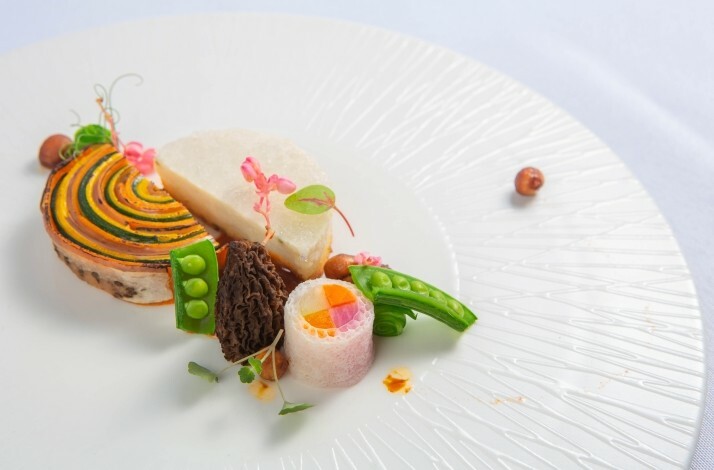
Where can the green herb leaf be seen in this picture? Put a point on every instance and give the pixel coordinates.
(293, 407)
(91, 134)
(246, 374)
(200, 371)
(256, 365)
(313, 199)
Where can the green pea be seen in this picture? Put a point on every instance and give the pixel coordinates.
(380, 279)
(438, 296)
(419, 287)
(400, 282)
(192, 264)
(455, 306)
(196, 287)
(196, 309)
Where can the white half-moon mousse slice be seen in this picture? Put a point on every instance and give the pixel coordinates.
(202, 171)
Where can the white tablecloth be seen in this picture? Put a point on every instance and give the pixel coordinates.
(638, 74)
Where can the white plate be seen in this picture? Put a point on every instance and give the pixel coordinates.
(588, 349)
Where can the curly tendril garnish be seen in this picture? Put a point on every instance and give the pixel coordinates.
(105, 131)
(109, 116)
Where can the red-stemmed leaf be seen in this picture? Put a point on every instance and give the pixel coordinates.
(315, 199)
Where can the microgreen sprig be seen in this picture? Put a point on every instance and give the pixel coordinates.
(91, 134)
(252, 366)
(110, 122)
(105, 132)
(247, 373)
(315, 199)
(134, 152)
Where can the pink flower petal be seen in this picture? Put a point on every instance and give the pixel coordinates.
(366, 259)
(133, 150)
(142, 159)
(149, 154)
(145, 168)
(248, 170)
(272, 183)
(285, 186)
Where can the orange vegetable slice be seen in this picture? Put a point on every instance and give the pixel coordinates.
(338, 295)
(321, 319)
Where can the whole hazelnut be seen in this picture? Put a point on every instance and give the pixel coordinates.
(50, 154)
(336, 267)
(281, 365)
(528, 181)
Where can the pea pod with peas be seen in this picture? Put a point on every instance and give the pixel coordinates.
(385, 286)
(194, 269)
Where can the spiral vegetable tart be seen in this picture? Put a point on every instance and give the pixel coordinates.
(113, 228)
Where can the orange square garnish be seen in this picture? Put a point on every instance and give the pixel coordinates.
(321, 319)
(338, 295)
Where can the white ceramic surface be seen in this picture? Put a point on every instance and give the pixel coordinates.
(588, 348)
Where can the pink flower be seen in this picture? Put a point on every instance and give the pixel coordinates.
(254, 174)
(250, 168)
(142, 159)
(368, 260)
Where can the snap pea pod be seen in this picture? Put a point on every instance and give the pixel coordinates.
(386, 286)
(194, 269)
(390, 320)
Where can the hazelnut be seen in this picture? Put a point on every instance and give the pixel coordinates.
(50, 154)
(336, 267)
(528, 181)
(281, 366)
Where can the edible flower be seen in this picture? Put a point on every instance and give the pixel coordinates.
(142, 159)
(366, 259)
(250, 168)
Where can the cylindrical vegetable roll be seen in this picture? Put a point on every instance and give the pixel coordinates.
(328, 333)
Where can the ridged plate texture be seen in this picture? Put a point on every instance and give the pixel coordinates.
(588, 348)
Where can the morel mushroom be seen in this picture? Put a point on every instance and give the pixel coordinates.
(250, 300)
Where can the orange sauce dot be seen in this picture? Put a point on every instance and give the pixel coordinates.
(398, 380)
(261, 390)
